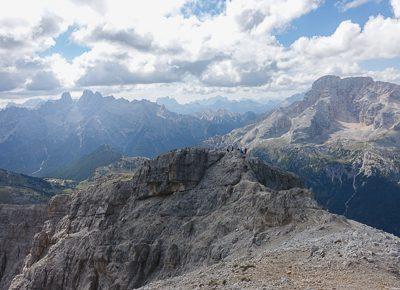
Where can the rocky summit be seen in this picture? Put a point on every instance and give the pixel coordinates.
(198, 218)
(343, 140)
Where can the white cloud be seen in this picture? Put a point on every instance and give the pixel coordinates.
(43, 81)
(396, 7)
(350, 4)
(159, 44)
(377, 39)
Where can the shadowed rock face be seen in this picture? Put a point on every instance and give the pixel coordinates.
(181, 210)
(173, 172)
(18, 225)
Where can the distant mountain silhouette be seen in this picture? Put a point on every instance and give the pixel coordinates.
(85, 166)
(43, 140)
(18, 188)
(218, 103)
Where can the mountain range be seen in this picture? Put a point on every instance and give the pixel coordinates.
(222, 103)
(29, 104)
(343, 140)
(55, 134)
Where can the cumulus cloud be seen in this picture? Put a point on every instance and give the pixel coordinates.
(148, 42)
(228, 73)
(43, 81)
(190, 45)
(377, 39)
(396, 7)
(124, 37)
(114, 73)
(8, 81)
(350, 4)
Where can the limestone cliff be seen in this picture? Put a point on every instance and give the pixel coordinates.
(18, 225)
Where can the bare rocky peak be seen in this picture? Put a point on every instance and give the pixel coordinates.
(356, 108)
(356, 100)
(195, 208)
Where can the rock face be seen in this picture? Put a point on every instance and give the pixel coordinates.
(18, 225)
(343, 140)
(187, 209)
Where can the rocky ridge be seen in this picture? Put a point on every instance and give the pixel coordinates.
(124, 166)
(208, 218)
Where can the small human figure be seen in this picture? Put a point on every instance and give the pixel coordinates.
(245, 150)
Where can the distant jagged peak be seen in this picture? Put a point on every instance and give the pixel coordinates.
(66, 97)
(167, 100)
(89, 96)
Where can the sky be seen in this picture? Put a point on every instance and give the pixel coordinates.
(192, 49)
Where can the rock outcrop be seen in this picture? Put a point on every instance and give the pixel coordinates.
(126, 165)
(189, 209)
(18, 225)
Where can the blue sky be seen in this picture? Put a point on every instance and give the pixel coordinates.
(324, 20)
(192, 49)
(65, 46)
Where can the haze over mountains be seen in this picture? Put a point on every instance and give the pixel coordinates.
(343, 140)
(220, 103)
(44, 139)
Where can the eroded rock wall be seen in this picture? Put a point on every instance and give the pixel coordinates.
(18, 225)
